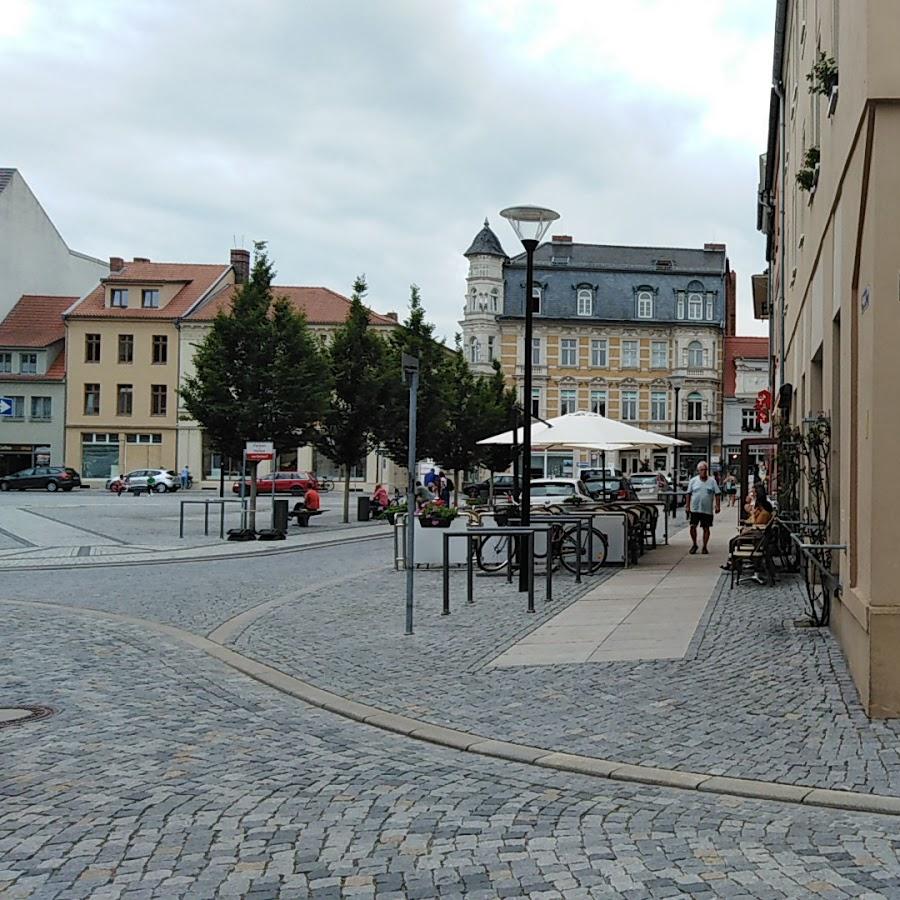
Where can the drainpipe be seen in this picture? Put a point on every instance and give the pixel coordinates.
(778, 87)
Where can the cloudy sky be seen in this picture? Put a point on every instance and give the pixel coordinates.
(360, 136)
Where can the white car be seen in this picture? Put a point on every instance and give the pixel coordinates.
(547, 491)
(166, 480)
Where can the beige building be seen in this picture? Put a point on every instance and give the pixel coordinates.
(829, 206)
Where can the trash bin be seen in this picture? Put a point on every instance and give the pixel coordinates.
(363, 509)
(280, 515)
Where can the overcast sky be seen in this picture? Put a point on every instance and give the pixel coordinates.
(360, 136)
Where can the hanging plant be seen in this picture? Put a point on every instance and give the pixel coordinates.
(808, 174)
(824, 75)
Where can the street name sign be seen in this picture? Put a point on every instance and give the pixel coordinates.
(256, 451)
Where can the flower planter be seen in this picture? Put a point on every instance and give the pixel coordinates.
(435, 523)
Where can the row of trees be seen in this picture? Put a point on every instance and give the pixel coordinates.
(261, 374)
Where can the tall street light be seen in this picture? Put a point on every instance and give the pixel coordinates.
(676, 382)
(530, 223)
(709, 424)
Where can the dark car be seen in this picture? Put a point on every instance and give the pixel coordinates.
(503, 484)
(610, 487)
(47, 478)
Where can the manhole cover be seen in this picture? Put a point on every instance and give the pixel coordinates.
(18, 715)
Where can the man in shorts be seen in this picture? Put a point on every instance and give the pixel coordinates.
(703, 496)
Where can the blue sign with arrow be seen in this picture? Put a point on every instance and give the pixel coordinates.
(6, 406)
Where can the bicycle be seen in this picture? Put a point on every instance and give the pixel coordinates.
(492, 553)
(325, 485)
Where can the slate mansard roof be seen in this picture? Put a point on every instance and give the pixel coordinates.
(610, 257)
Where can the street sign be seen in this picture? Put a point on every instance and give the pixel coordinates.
(256, 451)
(6, 406)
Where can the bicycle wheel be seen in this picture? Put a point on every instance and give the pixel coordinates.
(325, 485)
(568, 550)
(491, 554)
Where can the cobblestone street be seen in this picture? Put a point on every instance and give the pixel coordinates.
(165, 773)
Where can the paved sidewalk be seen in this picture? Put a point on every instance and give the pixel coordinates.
(646, 612)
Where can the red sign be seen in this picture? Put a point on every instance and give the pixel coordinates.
(763, 406)
(258, 457)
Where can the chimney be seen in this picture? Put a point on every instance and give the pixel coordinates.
(142, 259)
(714, 248)
(240, 262)
(392, 315)
(561, 239)
(116, 264)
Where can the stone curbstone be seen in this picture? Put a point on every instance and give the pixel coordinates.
(757, 790)
(659, 777)
(582, 765)
(445, 737)
(505, 750)
(871, 803)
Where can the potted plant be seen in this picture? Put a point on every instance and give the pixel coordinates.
(808, 174)
(436, 515)
(823, 78)
(390, 512)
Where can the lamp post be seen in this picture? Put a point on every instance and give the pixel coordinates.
(530, 224)
(709, 425)
(676, 382)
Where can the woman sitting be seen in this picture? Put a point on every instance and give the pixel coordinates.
(380, 499)
(759, 514)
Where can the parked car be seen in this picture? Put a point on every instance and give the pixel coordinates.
(611, 488)
(547, 491)
(294, 483)
(503, 484)
(648, 485)
(48, 478)
(166, 480)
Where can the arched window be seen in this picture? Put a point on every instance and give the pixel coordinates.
(694, 407)
(585, 301)
(474, 350)
(645, 305)
(495, 300)
(695, 300)
(695, 355)
(536, 296)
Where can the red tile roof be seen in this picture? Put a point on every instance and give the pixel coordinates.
(56, 372)
(741, 348)
(196, 278)
(35, 321)
(322, 306)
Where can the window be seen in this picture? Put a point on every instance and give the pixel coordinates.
(679, 305)
(659, 355)
(18, 408)
(161, 349)
(126, 348)
(155, 438)
(695, 306)
(568, 352)
(41, 408)
(150, 298)
(92, 399)
(119, 297)
(5, 362)
(645, 305)
(490, 349)
(629, 406)
(748, 419)
(473, 349)
(695, 355)
(598, 402)
(710, 306)
(629, 354)
(658, 406)
(535, 351)
(158, 400)
(536, 295)
(598, 353)
(585, 301)
(28, 363)
(92, 348)
(123, 400)
(568, 401)
(694, 407)
(535, 402)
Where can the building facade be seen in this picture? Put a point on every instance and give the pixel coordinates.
(32, 379)
(746, 373)
(612, 325)
(34, 259)
(828, 208)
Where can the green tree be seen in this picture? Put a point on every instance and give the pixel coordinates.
(498, 415)
(258, 373)
(414, 336)
(355, 363)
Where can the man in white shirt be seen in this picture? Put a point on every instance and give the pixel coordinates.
(703, 495)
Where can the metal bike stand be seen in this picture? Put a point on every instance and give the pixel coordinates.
(572, 519)
(220, 502)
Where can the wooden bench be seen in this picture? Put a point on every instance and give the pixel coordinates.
(303, 515)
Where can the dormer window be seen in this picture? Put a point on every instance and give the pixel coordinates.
(679, 305)
(150, 298)
(28, 363)
(5, 362)
(695, 306)
(536, 295)
(645, 304)
(585, 301)
(119, 298)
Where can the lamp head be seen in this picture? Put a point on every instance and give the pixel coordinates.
(676, 382)
(530, 223)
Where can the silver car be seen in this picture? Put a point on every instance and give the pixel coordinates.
(165, 480)
(648, 485)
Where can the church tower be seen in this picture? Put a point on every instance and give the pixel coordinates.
(484, 300)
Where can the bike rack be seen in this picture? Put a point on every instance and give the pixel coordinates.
(206, 503)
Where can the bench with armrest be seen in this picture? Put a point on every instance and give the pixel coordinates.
(754, 548)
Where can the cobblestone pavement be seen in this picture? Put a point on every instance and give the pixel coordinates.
(165, 775)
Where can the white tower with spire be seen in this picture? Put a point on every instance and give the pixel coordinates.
(484, 300)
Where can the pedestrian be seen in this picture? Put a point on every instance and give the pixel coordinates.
(423, 495)
(703, 495)
(430, 478)
(731, 489)
(445, 490)
(151, 484)
(380, 499)
(185, 477)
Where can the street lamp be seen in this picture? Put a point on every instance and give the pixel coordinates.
(676, 382)
(530, 224)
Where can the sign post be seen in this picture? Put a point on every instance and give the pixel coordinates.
(411, 377)
(254, 452)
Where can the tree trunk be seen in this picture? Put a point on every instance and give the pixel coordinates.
(251, 515)
(456, 487)
(346, 519)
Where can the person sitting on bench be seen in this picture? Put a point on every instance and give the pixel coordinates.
(311, 500)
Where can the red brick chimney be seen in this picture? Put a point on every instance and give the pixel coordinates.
(392, 315)
(561, 239)
(240, 262)
(116, 264)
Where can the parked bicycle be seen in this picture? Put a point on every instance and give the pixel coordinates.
(325, 485)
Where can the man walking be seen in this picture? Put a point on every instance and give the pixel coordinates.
(703, 494)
